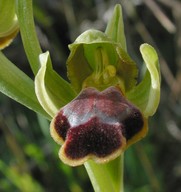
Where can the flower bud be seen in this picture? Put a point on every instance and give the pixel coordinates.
(8, 23)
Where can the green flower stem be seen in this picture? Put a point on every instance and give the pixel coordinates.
(31, 44)
(116, 170)
(106, 177)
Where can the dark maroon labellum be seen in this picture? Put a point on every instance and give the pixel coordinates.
(96, 124)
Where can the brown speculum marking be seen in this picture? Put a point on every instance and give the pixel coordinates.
(97, 123)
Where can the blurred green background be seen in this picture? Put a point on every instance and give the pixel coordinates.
(28, 156)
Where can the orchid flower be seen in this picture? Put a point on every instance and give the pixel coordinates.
(103, 110)
(106, 108)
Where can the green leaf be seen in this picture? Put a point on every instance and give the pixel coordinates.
(28, 33)
(115, 27)
(146, 95)
(52, 91)
(18, 86)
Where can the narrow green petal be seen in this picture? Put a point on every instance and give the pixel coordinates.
(146, 95)
(77, 67)
(115, 27)
(18, 86)
(127, 69)
(52, 91)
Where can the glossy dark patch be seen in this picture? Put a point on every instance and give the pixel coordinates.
(133, 124)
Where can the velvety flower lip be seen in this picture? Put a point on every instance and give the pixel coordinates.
(98, 125)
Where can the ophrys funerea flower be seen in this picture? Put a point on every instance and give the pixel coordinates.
(104, 109)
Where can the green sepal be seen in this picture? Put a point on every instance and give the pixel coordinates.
(95, 60)
(52, 91)
(146, 95)
(115, 27)
(18, 86)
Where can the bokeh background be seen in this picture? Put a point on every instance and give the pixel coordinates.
(28, 156)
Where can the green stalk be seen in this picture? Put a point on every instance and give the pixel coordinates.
(116, 170)
(106, 177)
(24, 11)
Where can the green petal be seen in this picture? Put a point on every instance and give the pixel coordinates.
(115, 27)
(127, 69)
(52, 91)
(146, 95)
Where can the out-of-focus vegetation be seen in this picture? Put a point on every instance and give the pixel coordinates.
(29, 160)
